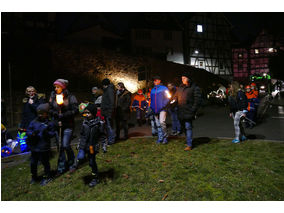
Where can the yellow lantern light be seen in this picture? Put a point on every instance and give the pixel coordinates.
(59, 99)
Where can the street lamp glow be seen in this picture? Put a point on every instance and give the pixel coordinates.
(196, 52)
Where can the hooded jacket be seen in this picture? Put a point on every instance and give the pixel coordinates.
(29, 110)
(188, 100)
(91, 132)
(39, 133)
(159, 99)
(123, 101)
(68, 110)
(108, 100)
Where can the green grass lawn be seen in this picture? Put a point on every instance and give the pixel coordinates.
(138, 169)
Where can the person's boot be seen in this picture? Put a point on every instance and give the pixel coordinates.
(94, 181)
(45, 180)
(74, 167)
(187, 148)
(33, 180)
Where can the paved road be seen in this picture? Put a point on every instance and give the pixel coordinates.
(214, 121)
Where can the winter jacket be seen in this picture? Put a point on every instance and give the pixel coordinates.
(238, 103)
(29, 110)
(253, 101)
(68, 110)
(139, 101)
(108, 101)
(39, 133)
(188, 99)
(159, 99)
(92, 131)
(123, 101)
(97, 98)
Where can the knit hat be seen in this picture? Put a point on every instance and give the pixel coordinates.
(106, 82)
(42, 108)
(61, 82)
(82, 107)
(140, 92)
(92, 108)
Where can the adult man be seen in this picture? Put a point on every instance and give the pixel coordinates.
(107, 107)
(188, 97)
(123, 101)
(30, 103)
(159, 101)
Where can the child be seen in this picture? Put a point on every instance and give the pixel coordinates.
(92, 131)
(140, 104)
(39, 133)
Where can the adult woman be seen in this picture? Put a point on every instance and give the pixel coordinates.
(63, 108)
(238, 108)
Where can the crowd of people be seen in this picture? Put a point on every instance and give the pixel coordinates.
(44, 119)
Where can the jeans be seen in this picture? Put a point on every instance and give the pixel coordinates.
(153, 125)
(43, 157)
(176, 127)
(110, 132)
(92, 160)
(239, 129)
(160, 121)
(66, 147)
(188, 132)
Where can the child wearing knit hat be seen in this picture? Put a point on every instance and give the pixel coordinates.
(39, 133)
(91, 134)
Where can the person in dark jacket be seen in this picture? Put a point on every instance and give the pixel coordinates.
(173, 109)
(30, 104)
(188, 97)
(122, 112)
(238, 108)
(92, 132)
(39, 132)
(159, 101)
(107, 107)
(63, 108)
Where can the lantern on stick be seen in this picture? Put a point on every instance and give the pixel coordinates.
(59, 101)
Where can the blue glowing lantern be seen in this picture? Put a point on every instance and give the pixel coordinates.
(6, 151)
(22, 139)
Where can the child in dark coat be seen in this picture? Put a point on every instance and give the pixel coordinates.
(91, 134)
(39, 133)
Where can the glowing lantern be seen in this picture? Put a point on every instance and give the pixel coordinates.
(168, 94)
(59, 99)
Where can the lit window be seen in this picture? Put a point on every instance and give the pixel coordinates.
(270, 50)
(256, 51)
(199, 28)
(240, 55)
(196, 52)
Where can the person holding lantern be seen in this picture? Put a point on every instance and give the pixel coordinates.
(63, 108)
(188, 98)
(159, 100)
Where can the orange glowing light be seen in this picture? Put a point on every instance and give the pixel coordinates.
(59, 99)
(168, 94)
